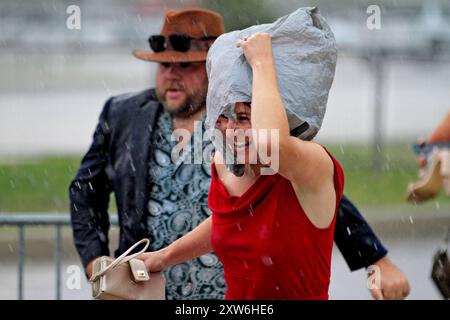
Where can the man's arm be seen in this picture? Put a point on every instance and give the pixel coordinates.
(442, 131)
(89, 197)
(361, 247)
(440, 134)
(354, 237)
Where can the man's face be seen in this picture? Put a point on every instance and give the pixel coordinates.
(181, 87)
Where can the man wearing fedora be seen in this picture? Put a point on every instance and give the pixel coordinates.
(162, 200)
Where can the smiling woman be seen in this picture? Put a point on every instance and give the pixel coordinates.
(240, 144)
(258, 220)
(237, 137)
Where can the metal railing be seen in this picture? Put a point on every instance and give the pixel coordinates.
(21, 220)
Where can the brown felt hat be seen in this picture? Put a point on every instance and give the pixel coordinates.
(196, 23)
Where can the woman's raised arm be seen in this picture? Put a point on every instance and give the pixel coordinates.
(299, 160)
(304, 163)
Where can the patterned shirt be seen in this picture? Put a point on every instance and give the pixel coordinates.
(178, 202)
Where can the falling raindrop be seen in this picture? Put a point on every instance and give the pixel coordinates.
(106, 87)
(102, 237)
(437, 205)
(267, 260)
(349, 231)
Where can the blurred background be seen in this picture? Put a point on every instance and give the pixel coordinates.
(392, 87)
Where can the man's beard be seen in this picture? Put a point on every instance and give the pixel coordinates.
(192, 104)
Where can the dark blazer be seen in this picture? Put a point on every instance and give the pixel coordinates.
(117, 161)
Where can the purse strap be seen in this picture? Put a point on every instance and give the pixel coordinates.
(123, 258)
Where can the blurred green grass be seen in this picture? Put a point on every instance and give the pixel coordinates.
(41, 184)
(36, 184)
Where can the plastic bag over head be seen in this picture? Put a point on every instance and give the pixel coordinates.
(305, 57)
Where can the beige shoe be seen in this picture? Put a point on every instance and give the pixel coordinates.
(445, 170)
(433, 178)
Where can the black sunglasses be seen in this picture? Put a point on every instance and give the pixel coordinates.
(177, 41)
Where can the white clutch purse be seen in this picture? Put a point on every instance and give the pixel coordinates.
(126, 278)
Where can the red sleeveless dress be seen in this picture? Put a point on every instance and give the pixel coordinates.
(267, 245)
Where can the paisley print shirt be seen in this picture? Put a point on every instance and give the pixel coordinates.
(178, 202)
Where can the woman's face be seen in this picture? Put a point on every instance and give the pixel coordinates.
(236, 133)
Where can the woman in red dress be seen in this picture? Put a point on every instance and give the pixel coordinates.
(272, 233)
